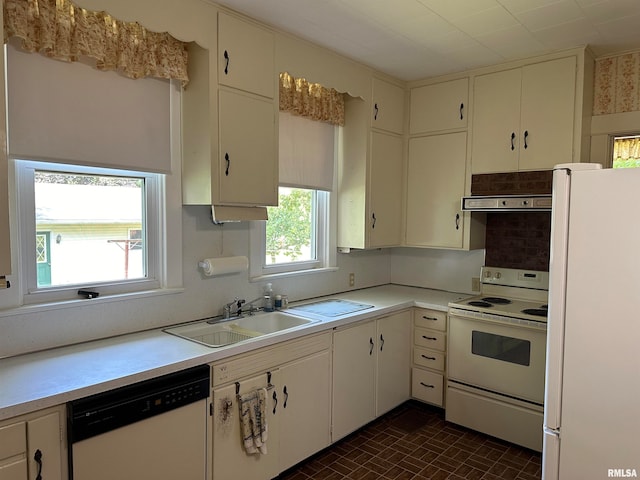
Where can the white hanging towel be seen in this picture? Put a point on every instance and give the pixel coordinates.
(253, 421)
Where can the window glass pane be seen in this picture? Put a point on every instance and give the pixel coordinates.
(626, 152)
(291, 228)
(499, 347)
(89, 228)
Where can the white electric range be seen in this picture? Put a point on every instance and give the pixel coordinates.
(496, 356)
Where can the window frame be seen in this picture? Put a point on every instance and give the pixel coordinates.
(325, 240)
(152, 218)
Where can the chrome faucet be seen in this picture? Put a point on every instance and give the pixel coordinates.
(239, 302)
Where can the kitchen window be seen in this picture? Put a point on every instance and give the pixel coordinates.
(626, 151)
(297, 237)
(96, 181)
(87, 228)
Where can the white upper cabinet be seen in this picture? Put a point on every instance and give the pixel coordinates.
(370, 178)
(246, 56)
(439, 107)
(524, 117)
(229, 134)
(385, 199)
(435, 185)
(388, 106)
(248, 173)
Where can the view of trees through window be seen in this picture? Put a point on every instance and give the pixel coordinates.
(89, 228)
(290, 228)
(626, 152)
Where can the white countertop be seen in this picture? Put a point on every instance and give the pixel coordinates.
(43, 379)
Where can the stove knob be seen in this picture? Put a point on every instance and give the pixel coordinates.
(498, 275)
(487, 274)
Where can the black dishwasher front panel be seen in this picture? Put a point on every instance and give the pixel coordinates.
(103, 412)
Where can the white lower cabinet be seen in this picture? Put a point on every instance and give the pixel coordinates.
(297, 377)
(371, 365)
(230, 460)
(32, 445)
(429, 356)
(305, 417)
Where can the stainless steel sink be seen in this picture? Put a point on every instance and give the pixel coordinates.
(228, 332)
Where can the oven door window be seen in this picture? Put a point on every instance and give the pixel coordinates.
(499, 347)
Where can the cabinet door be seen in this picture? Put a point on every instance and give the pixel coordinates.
(496, 122)
(13, 446)
(305, 417)
(394, 361)
(547, 116)
(43, 435)
(435, 185)
(385, 205)
(230, 461)
(388, 106)
(246, 58)
(354, 364)
(248, 168)
(442, 106)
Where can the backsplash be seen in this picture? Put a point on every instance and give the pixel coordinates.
(518, 240)
(512, 183)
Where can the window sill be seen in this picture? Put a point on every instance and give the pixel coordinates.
(271, 276)
(81, 302)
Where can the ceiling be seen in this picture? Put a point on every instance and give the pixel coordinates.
(415, 39)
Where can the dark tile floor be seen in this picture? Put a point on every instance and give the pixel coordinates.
(414, 442)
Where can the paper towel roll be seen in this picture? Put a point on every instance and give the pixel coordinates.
(224, 265)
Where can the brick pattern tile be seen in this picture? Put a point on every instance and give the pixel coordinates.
(436, 451)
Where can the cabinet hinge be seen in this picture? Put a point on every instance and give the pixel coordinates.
(211, 409)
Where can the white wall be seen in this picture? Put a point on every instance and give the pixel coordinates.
(450, 270)
(35, 328)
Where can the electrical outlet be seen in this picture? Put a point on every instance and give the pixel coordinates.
(352, 279)
(475, 284)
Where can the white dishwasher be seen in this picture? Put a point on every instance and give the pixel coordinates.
(156, 429)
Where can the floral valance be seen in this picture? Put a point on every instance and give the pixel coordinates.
(63, 31)
(311, 100)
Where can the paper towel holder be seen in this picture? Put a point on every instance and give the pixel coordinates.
(223, 265)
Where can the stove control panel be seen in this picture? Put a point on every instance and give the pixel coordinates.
(515, 278)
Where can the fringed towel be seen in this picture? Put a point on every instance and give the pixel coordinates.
(253, 421)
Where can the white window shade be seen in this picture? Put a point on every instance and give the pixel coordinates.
(306, 152)
(72, 113)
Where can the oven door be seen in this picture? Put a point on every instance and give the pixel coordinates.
(505, 356)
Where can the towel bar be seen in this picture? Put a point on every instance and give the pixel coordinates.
(268, 387)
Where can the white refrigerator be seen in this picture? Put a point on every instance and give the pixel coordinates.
(592, 388)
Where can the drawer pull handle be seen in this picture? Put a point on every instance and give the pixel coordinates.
(428, 358)
(429, 338)
(428, 386)
(435, 319)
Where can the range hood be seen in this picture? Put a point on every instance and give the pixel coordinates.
(510, 192)
(506, 203)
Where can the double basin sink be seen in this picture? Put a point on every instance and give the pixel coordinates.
(219, 333)
(239, 329)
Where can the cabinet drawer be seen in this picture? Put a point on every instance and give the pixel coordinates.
(428, 358)
(13, 440)
(427, 386)
(433, 319)
(429, 338)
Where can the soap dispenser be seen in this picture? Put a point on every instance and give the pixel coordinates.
(268, 298)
